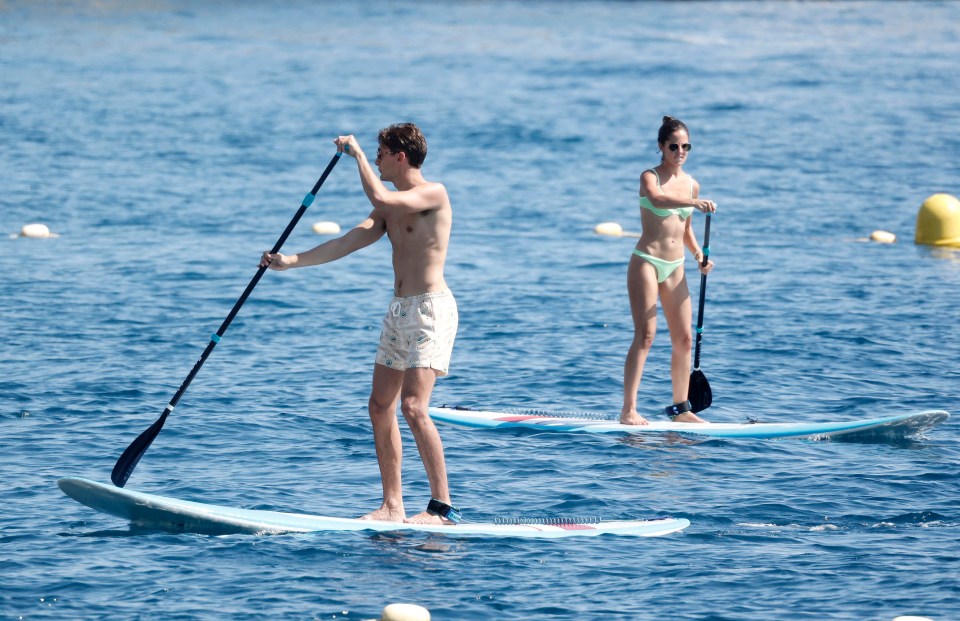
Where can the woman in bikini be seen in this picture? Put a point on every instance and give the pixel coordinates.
(668, 197)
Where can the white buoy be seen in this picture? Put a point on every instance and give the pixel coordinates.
(404, 612)
(909, 618)
(36, 230)
(326, 228)
(883, 237)
(608, 228)
(613, 230)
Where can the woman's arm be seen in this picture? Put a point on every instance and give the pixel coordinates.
(653, 192)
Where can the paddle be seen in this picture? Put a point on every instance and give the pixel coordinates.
(131, 457)
(699, 393)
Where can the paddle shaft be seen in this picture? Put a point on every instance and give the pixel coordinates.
(131, 456)
(703, 292)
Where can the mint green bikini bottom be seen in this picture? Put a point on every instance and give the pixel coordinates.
(664, 268)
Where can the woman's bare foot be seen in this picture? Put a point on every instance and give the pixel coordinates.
(386, 514)
(427, 518)
(632, 418)
(688, 417)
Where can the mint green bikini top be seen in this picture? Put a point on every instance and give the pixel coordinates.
(682, 212)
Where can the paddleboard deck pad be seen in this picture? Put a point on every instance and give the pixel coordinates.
(171, 514)
(903, 425)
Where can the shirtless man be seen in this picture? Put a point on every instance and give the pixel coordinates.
(421, 323)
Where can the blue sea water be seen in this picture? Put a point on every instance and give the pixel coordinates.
(168, 143)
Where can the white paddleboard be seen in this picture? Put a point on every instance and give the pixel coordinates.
(890, 426)
(150, 511)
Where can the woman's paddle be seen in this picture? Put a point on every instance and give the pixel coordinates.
(131, 457)
(699, 393)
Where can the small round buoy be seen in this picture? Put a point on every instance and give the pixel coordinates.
(36, 231)
(405, 612)
(883, 237)
(608, 228)
(938, 221)
(910, 618)
(326, 228)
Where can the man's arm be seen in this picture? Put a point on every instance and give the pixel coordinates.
(421, 198)
(360, 236)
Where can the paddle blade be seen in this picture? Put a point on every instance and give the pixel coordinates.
(699, 393)
(131, 457)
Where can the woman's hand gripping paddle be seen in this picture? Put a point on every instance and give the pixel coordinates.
(131, 457)
(699, 393)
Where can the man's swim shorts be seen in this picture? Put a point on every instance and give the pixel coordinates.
(418, 331)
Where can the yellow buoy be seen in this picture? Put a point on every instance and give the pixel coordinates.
(36, 231)
(326, 228)
(938, 221)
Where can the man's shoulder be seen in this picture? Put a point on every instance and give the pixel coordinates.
(433, 186)
(437, 192)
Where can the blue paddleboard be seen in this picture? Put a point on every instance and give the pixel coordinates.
(901, 425)
(162, 513)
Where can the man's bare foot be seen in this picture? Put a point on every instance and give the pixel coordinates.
(632, 418)
(384, 514)
(427, 518)
(688, 417)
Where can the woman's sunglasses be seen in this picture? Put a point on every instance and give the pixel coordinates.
(685, 146)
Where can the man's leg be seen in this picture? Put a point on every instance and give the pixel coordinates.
(386, 438)
(414, 403)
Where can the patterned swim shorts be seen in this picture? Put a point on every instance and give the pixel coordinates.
(418, 332)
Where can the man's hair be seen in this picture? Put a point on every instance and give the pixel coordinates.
(405, 137)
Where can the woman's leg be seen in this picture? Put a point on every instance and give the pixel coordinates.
(642, 289)
(675, 300)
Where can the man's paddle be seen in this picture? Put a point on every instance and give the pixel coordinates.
(131, 457)
(699, 393)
